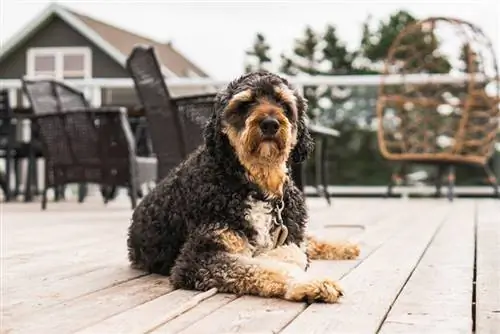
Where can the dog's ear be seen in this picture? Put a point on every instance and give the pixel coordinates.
(305, 143)
(213, 129)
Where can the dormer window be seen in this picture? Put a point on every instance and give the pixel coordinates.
(59, 63)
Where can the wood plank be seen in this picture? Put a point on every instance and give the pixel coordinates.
(50, 237)
(253, 314)
(34, 298)
(371, 288)
(52, 267)
(90, 309)
(488, 268)
(248, 314)
(201, 311)
(438, 296)
(381, 228)
(150, 315)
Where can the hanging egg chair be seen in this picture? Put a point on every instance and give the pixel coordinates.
(443, 107)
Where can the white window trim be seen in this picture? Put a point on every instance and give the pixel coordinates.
(59, 52)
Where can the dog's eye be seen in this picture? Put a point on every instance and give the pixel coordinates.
(287, 109)
(243, 107)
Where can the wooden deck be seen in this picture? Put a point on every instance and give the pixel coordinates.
(427, 266)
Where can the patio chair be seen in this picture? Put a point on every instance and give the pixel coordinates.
(83, 144)
(13, 151)
(175, 124)
(7, 144)
(442, 124)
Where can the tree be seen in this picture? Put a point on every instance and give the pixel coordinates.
(416, 53)
(258, 57)
(305, 59)
(336, 55)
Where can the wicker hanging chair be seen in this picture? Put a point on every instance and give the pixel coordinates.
(436, 121)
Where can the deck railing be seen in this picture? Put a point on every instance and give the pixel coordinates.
(363, 89)
(93, 87)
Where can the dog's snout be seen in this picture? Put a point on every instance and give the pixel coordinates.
(269, 126)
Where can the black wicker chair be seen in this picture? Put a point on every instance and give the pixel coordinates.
(13, 151)
(7, 143)
(82, 144)
(169, 119)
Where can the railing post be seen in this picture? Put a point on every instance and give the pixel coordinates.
(13, 97)
(96, 96)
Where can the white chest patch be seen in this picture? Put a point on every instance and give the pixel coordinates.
(260, 216)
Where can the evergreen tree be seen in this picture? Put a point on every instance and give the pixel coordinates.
(375, 45)
(306, 59)
(258, 57)
(336, 55)
(287, 67)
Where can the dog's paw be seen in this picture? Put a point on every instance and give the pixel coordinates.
(351, 252)
(314, 290)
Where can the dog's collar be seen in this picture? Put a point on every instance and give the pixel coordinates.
(277, 205)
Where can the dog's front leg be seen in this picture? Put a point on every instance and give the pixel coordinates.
(325, 250)
(289, 253)
(223, 261)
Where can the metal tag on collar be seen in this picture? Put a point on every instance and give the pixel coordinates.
(278, 209)
(282, 233)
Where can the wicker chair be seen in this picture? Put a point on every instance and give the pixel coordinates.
(14, 150)
(435, 122)
(170, 120)
(82, 144)
(7, 144)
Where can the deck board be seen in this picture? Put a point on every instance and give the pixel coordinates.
(65, 271)
(488, 268)
(437, 297)
(89, 309)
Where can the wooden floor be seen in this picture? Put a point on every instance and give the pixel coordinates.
(427, 266)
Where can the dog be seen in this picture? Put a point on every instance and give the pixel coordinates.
(230, 217)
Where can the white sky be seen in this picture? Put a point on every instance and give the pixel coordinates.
(214, 34)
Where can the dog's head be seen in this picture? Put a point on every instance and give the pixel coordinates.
(264, 120)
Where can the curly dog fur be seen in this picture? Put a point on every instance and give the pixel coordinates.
(211, 224)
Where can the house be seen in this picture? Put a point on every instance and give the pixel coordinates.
(67, 45)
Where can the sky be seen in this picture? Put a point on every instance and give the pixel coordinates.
(215, 34)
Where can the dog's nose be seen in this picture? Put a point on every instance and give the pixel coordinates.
(269, 126)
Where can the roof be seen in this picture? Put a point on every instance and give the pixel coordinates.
(116, 42)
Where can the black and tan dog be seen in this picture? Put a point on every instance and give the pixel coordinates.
(230, 217)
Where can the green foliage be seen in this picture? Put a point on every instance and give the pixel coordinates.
(335, 53)
(306, 59)
(375, 43)
(258, 57)
(417, 45)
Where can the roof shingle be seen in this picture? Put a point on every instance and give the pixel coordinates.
(125, 41)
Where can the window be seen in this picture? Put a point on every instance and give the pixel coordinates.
(45, 65)
(59, 63)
